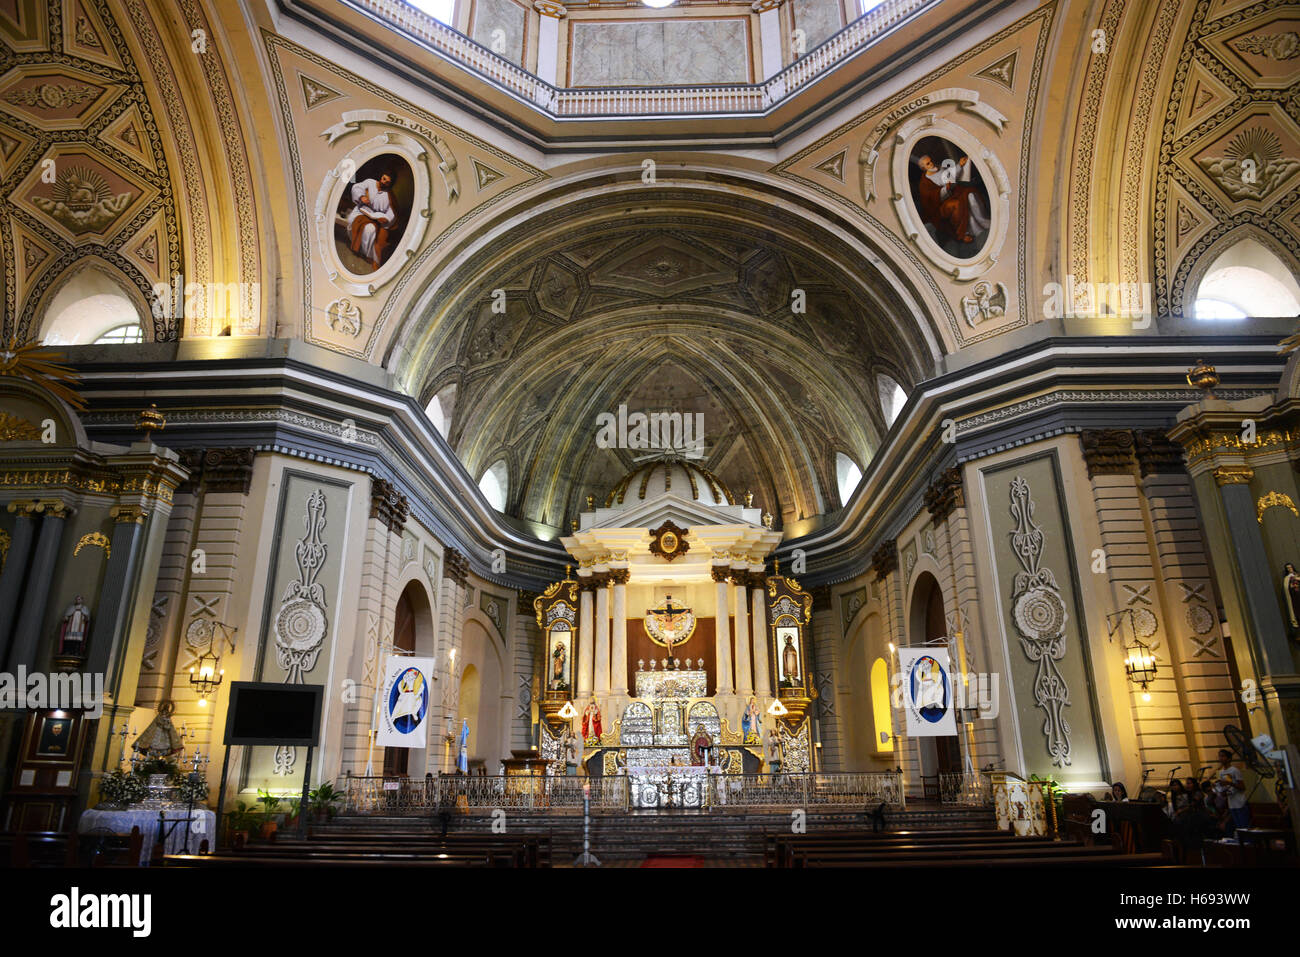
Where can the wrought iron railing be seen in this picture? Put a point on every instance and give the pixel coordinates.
(408, 797)
(967, 788)
(580, 102)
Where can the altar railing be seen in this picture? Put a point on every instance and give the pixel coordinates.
(410, 796)
(968, 788)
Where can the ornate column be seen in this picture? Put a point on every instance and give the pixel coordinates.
(602, 634)
(722, 629)
(586, 637)
(758, 629)
(619, 664)
(16, 561)
(28, 631)
(1269, 631)
(744, 637)
(107, 630)
(529, 657)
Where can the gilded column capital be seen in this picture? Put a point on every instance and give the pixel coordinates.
(27, 507)
(53, 508)
(123, 514)
(549, 8)
(619, 576)
(762, 6)
(1233, 475)
(721, 574)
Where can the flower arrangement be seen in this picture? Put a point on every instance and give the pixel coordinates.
(192, 788)
(120, 787)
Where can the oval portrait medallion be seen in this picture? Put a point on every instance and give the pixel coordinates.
(950, 196)
(373, 212)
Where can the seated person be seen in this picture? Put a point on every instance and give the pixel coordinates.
(1118, 792)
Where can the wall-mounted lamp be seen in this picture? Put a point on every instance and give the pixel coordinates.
(205, 677)
(1140, 666)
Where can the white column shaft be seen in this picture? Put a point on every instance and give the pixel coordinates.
(585, 644)
(602, 640)
(744, 641)
(723, 639)
(758, 625)
(619, 665)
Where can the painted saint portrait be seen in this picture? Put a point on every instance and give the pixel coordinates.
(54, 737)
(373, 213)
(950, 196)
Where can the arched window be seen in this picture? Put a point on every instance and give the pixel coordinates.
(892, 398)
(884, 740)
(434, 411)
(847, 475)
(495, 485)
(90, 306)
(128, 332)
(1247, 280)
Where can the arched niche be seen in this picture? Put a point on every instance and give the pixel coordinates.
(413, 634)
(485, 708)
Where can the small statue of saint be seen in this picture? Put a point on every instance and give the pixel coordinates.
(591, 726)
(75, 628)
(751, 723)
(773, 751)
(790, 660)
(160, 739)
(1291, 593)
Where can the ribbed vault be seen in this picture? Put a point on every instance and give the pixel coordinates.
(673, 301)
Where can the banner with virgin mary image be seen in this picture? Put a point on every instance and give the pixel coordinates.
(927, 691)
(404, 702)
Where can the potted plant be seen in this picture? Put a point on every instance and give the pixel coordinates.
(323, 800)
(291, 818)
(239, 821)
(270, 803)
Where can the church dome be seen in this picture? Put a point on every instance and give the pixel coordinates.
(681, 477)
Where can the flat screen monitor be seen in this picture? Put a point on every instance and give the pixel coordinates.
(263, 712)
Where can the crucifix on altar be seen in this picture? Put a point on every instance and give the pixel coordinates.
(670, 625)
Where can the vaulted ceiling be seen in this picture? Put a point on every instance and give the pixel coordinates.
(671, 303)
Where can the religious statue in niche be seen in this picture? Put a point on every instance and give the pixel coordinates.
(559, 680)
(751, 723)
(788, 642)
(1291, 590)
(950, 196)
(160, 739)
(701, 742)
(75, 629)
(591, 726)
(373, 213)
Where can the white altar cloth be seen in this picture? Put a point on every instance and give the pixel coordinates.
(202, 827)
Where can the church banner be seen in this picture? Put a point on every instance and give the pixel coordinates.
(927, 690)
(404, 702)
